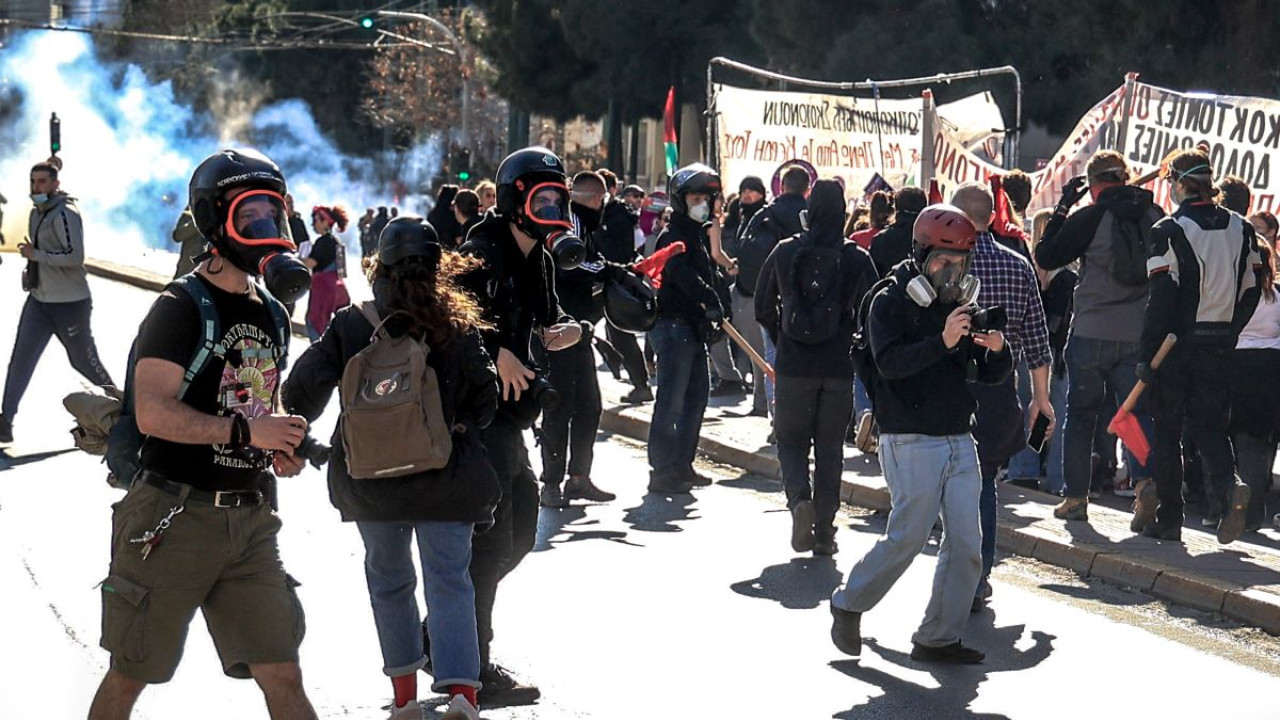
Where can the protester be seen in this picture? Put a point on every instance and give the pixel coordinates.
(879, 215)
(488, 194)
(58, 303)
(327, 261)
(1009, 283)
(297, 227)
(815, 272)
(1043, 470)
(379, 222)
(924, 351)
(365, 225)
(618, 239)
(1017, 187)
(208, 451)
(659, 224)
(514, 287)
(568, 430)
(1266, 226)
(751, 198)
(1205, 268)
(416, 293)
(1110, 299)
(689, 318)
(728, 376)
(190, 243)
(466, 211)
(1235, 194)
(892, 245)
(443, 217)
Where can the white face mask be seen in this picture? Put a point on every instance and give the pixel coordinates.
(700, 212)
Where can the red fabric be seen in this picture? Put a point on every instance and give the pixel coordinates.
(935, 192)
(467, 692)
(863, 237)
(652, 265)
(328, 293)
(669, 117)
(1125, 426)
(406, 688)
(1002, 221)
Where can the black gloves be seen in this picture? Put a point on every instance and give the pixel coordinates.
(1075, 189)
(1146, 374)
(711, 328)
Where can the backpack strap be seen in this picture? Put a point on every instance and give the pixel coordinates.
(283, 325)
(210, 324)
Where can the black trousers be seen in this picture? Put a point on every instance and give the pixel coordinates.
(568, 433)
(813, 412)
(497, 551)
(632, 358)
(40, 323)
(1192, 391)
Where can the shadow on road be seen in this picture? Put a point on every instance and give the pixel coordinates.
(957, 685)
(802, 584)
(659, 513)
(562, 525)
(8, 461)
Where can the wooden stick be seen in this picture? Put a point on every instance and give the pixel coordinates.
(1138, 387)
(750, 351)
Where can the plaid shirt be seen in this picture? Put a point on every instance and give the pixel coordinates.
(1009, 282)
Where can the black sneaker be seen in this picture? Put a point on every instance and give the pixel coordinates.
(581, 488)
(6, 430)
(1160, 532)
(728, 388)
(667, 484)
(802, 526)
(638, 395)
(502, 690)
(953, 654)
(697, 479)
(846, 631)
(1232, 525)
(824, 543)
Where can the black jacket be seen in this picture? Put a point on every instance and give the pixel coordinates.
(783, 215)
(688, 279)
(922, 387)
(466, 490)
(615, 239)
(892, 245)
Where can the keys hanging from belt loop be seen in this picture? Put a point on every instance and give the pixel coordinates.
(151, 538)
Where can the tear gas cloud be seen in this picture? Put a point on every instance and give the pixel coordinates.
(129, 147)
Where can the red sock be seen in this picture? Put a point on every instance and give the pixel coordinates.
(465, 691)
(406, 687)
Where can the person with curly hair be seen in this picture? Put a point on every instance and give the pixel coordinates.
(328, 263)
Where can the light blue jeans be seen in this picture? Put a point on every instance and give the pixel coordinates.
(771, 357)
(927, 475)
(1026, 464)
(445, 552)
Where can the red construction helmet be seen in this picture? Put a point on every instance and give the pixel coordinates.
(944, 227)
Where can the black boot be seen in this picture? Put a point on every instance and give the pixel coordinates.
(846, 631)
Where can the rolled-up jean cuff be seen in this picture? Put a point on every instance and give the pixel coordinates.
(442, 686)
(409, 669)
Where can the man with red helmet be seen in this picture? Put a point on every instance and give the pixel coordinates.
(925, 347)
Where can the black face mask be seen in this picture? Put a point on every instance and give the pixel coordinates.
(589, 218)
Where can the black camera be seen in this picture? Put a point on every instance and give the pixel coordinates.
(313, 451)
(985, 320)
(543, 393)
(568, 249)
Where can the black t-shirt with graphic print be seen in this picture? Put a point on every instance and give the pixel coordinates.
(245, 383)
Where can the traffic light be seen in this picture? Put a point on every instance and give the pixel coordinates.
(366, 22)
(462, 165)
(55, 134)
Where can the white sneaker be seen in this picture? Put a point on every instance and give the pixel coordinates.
(412, 711)
(460, 709)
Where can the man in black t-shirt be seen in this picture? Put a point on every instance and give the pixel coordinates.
(195, 530)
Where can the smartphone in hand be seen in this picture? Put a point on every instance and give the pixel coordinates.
(1039, 429)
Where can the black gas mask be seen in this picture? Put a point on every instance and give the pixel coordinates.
(545, 218)
(256, 239)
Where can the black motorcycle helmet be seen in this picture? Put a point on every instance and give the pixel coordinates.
(522, 170)
(408, 236)
(221, 172)
(630, 303)
(698, 178)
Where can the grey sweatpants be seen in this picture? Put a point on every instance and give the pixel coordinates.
(40, 322)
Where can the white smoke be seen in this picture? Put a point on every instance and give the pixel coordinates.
(129, 148)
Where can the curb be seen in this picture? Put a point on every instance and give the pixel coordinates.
(1246, 605)
(1251, 607)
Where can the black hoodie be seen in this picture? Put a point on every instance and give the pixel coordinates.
(826, 229)
(1104, 308)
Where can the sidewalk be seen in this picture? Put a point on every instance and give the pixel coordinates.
(1240, 581)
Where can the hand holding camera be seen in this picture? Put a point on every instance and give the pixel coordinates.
(1072, 192)
(513, 375)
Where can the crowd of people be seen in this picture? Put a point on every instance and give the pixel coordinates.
(961, 341)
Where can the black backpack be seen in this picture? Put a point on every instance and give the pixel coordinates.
(1130, 248)
(124, 442)
(864, 362)
(812, 293)
(758, 240)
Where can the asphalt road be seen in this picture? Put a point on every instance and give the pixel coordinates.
(646, 607)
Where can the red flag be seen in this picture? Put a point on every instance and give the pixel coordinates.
(1125, 426)
(935, 192)
(652, 266)
(1002, 222)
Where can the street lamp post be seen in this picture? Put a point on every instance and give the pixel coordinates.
(461, 50)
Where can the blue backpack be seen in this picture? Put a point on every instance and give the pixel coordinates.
(124, 443)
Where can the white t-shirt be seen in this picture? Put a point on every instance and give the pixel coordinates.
(1263, 329)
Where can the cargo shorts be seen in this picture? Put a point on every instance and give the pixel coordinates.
(223, 561)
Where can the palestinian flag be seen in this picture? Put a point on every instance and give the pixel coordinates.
(669, 141)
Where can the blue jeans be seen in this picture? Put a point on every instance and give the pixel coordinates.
(681, 400)
(926, 476)
(445, 552)
(771, 357)
(1096, 368)
(1027, 463)
(861, 400)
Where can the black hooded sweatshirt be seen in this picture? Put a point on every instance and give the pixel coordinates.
(826, 226)
(892, 245)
